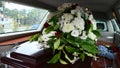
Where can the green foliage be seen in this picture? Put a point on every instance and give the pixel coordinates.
(66, 56)
(34, 37)
(55, 58)
(54, 19)
(56, 43)
(82, 56)
(97, 33)
(68, 46)
(71, 49)
(49, 29)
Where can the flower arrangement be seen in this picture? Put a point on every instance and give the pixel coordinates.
(71, 34)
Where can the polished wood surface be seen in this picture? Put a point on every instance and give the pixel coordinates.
(28, 54)
(104, 43)
(15, 41)
(117, 59)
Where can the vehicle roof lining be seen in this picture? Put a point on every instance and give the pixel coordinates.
(35, 4)
(94, 5)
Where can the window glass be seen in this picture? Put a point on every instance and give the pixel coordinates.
(16, 17)
(101, 25)
(115, 25)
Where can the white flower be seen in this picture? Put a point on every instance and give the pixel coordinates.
(73, 11)
(92, 36)
(67, 17)
(78, 14)
(42, 45)
(65, 5)
(67, 27)
(84, 36)
(79, 23)
(60, 8)
(52, 33)
(45, 37)
(75, 33)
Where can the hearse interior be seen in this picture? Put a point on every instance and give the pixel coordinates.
(17, 52)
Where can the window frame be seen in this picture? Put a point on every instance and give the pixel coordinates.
(30, 31)
(10, 34)
(105, 25)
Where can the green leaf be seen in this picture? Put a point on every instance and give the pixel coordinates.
(51, 41)
(71, 49)
(40, 39)
(34, 37)
(66, 56)
(89, 54)
(56, 43)
(90, 48)
(97, 33)
(91, 26)
(73, 42)
(82, 56)
(55, 58)
(54, 19)
(56, 27)
(62, 61)
(88, 41)
(49, 29)
(61, 47)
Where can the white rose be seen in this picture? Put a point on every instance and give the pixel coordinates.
(68, 17)
(73, 11)
(65, 5)
(67, 27)
(79, 23)
(75, 33)
(60, 8)
(83, 37)
(79, 14)
(92, 36)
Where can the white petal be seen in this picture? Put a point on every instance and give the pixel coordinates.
(73, 11)
(45, 38)
(67, 28)
(75, 33)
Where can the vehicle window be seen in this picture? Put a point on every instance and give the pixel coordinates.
(101, 25)
(115, 25)
(16, 17)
